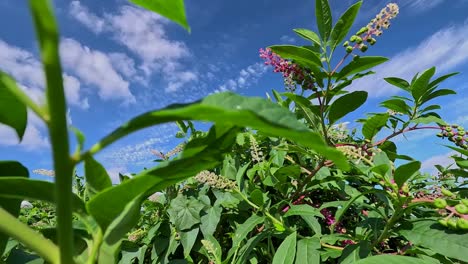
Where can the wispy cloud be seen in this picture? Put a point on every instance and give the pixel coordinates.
(421, 5)
(445, 49)
(96, 68)
(287, 39)
(443, 159)
(143, 33)
(246, 77)
(34, 138)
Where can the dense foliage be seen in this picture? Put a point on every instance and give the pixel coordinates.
(275, 180)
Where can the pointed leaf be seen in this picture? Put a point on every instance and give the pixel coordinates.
(391, 259)
(303, 210)
(308, 35)
(441, 92)
(373, 125)
(442, 78)
(397, 105)
(398, 82)
(173, 9)
(324, 18)
(185, 213)
(286, 251)
(188, 239)
(209, 222)
(96, 175)
(12, 111)
(308, 251)
(359, 65)
(345, 105)
(344, 24)
(421, 84)
(299, 54)
(243, 230)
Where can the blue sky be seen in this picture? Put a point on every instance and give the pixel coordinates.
(120, 61)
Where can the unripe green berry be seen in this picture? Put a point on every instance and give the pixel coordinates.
(363, 48)
(440, 134)
(464, 201)
(461, 208)
(358, 40)
(440, 203)
(460, 128)
(451, 134)
(452, 223)
(461, 132)
(447, 192)
(405, 188)
(443, 222)
(345, 44)
(459, 138)
(353, 38)
(448, 129)
(462, 224)
(349, 49)
(362, 31)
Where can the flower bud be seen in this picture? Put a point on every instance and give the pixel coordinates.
(440, 203)
(461, 208)
(353, 38)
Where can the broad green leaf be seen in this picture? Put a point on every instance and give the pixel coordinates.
(345, 105)
(353, 253)
(428, 120)
(229, 108)
(397, 105)
(442, 78)
(430, 234)
(310, 112)
(23, 188)
(10, 204)
(313, 223)
(359, 65)
(459, 150)
(438, 93)
(96, 175)
(301, 55)
(173, 9)
(209, 222)
(286, 251)
(303, 210)
(391, 259)
(185, 213)
(243, 230)
(421, 84)
(244, 252)
(323, 16)
(430, 108)
(308, 35)
(344, 24)
(405, 171)
(257, 197)
(398, 82)
(307, 251)
(373, 125)
(122, 224)
(188, 238)
(12, 111)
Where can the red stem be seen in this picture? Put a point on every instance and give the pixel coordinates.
(403, 131)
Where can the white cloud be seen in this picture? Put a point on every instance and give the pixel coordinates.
(114, 173)
(444, 160)
(445, 49)
(421, 5)
(27, 71)
(142, 33)
(287, 39)
(33, 139)
(95, 68)
(246, 77)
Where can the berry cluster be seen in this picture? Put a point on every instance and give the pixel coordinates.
(374, 28)
(358, 153)
(456, 134)
(458, 211)
(215, 181)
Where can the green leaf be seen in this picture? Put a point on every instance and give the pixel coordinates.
(344, 24)
(10, 204)
(173, 10)
(188, 238)
(96, 175)
(303, 210)
(122, 224)
(459, 150)
(391, 259)
(23, 188)
(353, 253)
(310, 113)
(12, 111)
(244, 252)
(185, 213)
(373, 125)
(438, 93)
(430, 234)
(405, 171)
(397, 105)
(257, 197)
(427, 120)
(421, 84)
(323, 16)
(286, 251)
(398, 82)
(209, 222)
(308, 35)
(442, 78)
(301, 55)
(243, 230)
(345, 105)
(229, 108)
(359, 65)
(313, 223)
(307, 251)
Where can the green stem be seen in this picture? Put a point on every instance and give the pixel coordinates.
(97, 241)
(388, 226)
(48, 36)
(30, 238)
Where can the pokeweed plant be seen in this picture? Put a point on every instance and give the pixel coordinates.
(270, 182)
